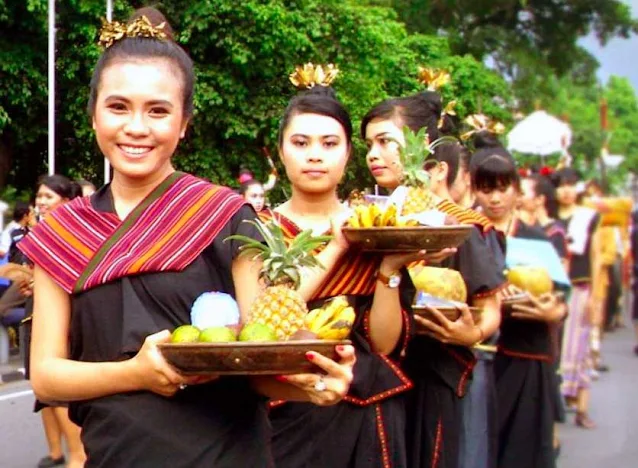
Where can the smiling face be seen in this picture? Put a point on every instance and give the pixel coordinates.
(315, 152)
(139, 117)
(497, 203)
(47, 200)
(383, 139)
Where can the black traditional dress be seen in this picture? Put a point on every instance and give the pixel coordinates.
(525, 387)
(441, 373)
(135, 283)
(365, 430)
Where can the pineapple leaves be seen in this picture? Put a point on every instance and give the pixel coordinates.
(282, 260)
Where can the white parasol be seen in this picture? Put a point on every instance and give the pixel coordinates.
(540, 133)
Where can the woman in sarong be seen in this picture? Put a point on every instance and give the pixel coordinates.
(366, 429)
(523, 364)
(581, 224)
(116, 271)
(441, 361)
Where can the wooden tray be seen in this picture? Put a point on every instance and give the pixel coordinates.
(450, 313)
(247, 358)
(407, 239)
(524, 299)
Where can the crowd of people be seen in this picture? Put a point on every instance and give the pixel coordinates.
(409, 392)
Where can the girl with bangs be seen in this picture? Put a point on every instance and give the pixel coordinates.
(581, 225)
(440, 361)
(523, 364)
(367, 428)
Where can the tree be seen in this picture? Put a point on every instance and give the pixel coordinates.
(243, 52)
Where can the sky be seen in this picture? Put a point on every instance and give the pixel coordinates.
(618, 55)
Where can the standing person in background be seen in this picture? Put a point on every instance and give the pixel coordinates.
(581, 225)
(52, 192)
(253, 192)
(19, 211)
(88, 188)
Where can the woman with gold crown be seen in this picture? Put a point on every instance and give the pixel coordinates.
(114, 273)
(440, 361)
(367, 428)
(523, 367)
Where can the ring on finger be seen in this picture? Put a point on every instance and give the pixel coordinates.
(320, 385)
(182, 386)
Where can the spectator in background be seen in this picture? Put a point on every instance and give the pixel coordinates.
(253, 191)
(88, 188)
(20, 211)
(24, 215)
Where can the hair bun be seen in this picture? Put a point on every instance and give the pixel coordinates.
(156, 18)
(486, 139)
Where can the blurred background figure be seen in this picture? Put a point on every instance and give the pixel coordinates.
(88, 188)
(253, 191)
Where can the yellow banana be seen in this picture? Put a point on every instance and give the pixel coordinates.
(389, 216)
(375, 214)
(353, 221)
(311, 317)
(367, 220)
(327, 312)
(339, 328)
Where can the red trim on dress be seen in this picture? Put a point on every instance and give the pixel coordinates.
(383, 440)
(469, 367)
(528, 356)
(438, 441)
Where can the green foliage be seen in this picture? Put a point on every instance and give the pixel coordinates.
(243, 52)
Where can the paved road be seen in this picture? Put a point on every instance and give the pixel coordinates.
(614, 407)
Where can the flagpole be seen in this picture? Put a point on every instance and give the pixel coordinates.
(107, 166)
(51, 94)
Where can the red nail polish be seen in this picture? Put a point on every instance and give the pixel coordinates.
(340, 348)
(281, 378)
(310, 356)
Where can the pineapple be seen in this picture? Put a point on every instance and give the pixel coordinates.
(413, 155)
(280, 307)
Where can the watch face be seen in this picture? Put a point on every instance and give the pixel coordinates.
(394, 281)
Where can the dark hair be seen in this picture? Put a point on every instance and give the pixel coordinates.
(455, 155)
(566, 175)
(321, 100)
(20, 210)
(243, 188)
(61, 185)
(147, 48)
(544, 187)
(493, 171)
(421, 110)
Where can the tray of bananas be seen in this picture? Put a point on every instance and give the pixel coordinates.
(258, 347)
(449, 309)
(373, 229)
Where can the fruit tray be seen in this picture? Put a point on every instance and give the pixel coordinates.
(247, 358)
(523, 299)
(407, 239)
(450, 312)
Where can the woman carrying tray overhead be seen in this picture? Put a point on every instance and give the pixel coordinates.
(367, 428)
(523, 364)
(116, 271)
(440, 362)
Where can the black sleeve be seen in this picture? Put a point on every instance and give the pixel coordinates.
(560, 244)
(478, 266)
(221, 253)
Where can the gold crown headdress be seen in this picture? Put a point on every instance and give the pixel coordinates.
(433, 79)
(113, 31)
(447, 110)
(481, 123)
(308, 76)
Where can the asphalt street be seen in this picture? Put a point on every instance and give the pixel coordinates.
(611, 445)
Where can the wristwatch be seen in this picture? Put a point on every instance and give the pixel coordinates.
(393, 281)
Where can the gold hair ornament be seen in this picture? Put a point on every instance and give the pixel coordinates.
(447, 110)
(113, 31)
(433, 79)
(482, 123)
(308, 76)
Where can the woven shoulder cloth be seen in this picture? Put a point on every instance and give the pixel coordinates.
(81, 248)
(355, 274)
(465, 215)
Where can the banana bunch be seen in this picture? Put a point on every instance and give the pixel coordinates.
(333, 321)
(366, 216)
